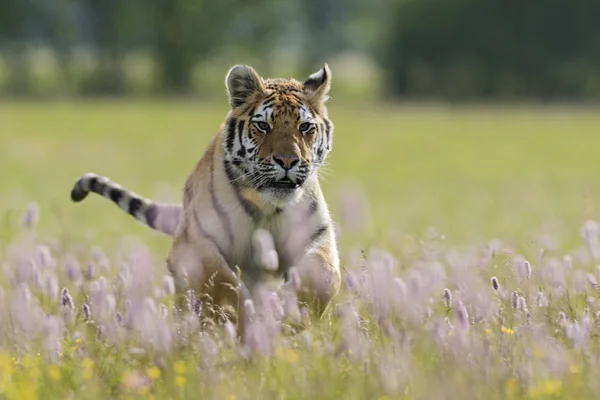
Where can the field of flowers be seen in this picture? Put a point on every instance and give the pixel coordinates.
(470, 248)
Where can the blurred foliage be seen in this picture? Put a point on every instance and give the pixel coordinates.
(440, 49)
(494, 48)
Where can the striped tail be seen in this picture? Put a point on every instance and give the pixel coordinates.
(162, 217)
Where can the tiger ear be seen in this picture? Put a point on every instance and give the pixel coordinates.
(242, 81)
(319, 83)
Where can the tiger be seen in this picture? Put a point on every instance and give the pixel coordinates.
(259, 172)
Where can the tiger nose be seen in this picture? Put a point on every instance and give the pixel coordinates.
(287, 161)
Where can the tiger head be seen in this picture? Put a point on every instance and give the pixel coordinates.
(277, 133)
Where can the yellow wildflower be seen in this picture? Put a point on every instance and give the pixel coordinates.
(179, 367)
(88, 368)
(511, 388)
(180, 380)
(6, 365)
(546, 388)
(26, 391)
(53, 372)
(153, 373)
(506, 330)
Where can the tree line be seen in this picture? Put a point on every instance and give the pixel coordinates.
(441, 49)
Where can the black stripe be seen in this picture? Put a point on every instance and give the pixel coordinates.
(151, 213)
(242, 151)
(248, 207)
(268, 101)
(328, 133)
(95, 185)
(230, 138)
(220, 212)
(115, 195)
(135, 205)
(320, 232)
(250, 107)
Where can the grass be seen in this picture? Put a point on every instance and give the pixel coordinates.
(428, 186)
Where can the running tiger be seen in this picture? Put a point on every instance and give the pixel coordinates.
(260, 171)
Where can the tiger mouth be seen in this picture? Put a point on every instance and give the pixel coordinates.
(285, 183)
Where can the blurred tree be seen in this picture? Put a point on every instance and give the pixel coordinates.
(106, 23)
(324, 22)
(13, 17)
(172, 45)
(57, 21)
(494, 48)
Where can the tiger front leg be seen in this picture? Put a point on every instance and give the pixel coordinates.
(199, 266)
(319, 277)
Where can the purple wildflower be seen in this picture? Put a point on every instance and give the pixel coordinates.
(73, 270)
(90, 271)
(351, 282)
(514, 300)
(198, 307)
(66, 299)
(540, 300)
(495, 283)
(100, 258)
(87, 313)
(45, 256)
(523, 268)
(50, 286)
(447, 298)
(522, 304)
(31, 215)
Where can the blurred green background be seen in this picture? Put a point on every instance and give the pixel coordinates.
(426, 49)
(476, 118)
(472, 173)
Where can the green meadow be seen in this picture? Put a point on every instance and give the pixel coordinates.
(425, 184)
(470, 172)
